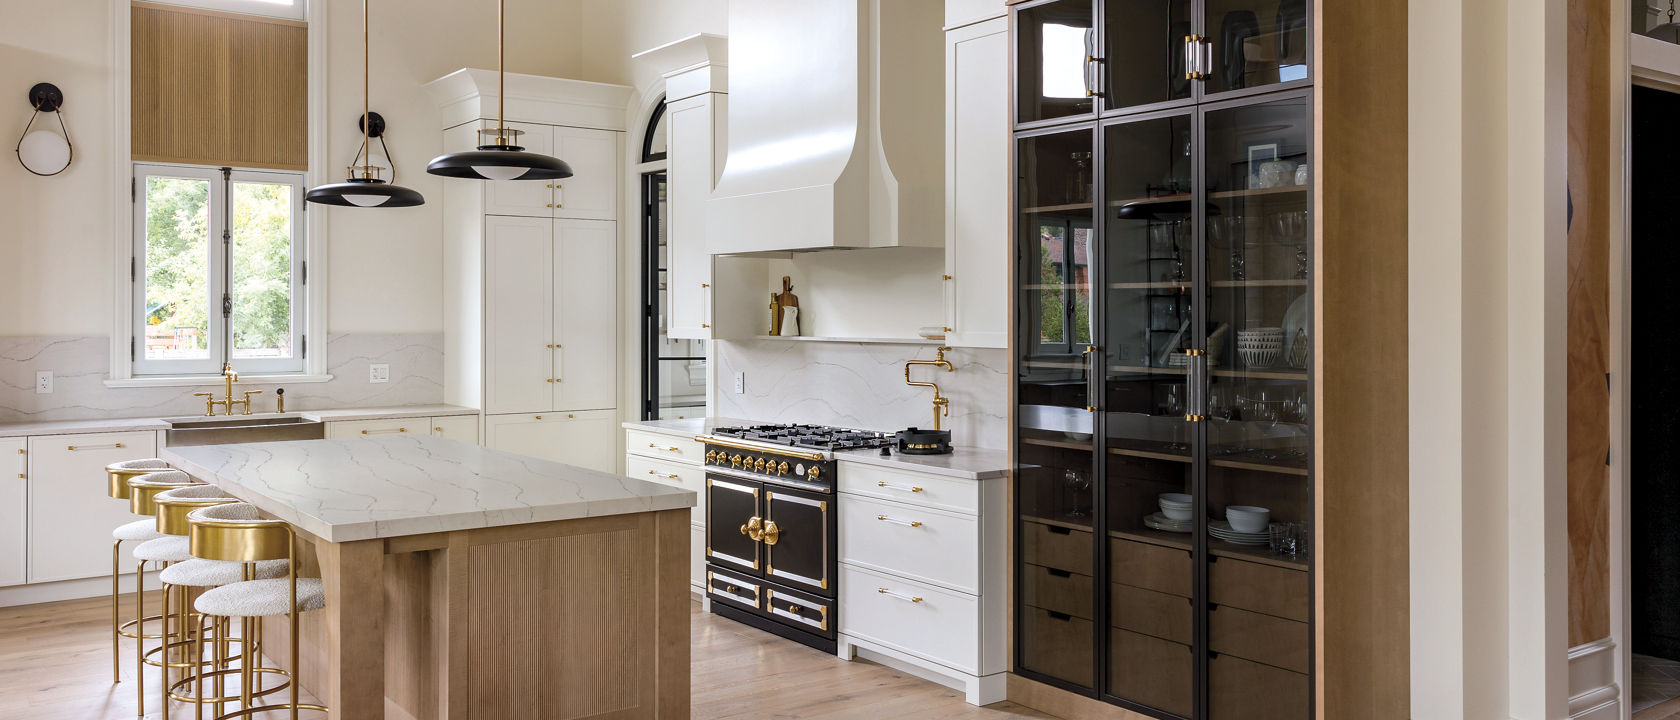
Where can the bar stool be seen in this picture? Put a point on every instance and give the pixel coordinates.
(185, 576)
(143, 489)
(137, 531)
(237, 532)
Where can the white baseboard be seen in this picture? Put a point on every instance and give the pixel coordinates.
(1593, 692)
(977, 690)
(70, 589)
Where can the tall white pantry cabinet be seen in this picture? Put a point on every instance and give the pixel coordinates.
(531, 268)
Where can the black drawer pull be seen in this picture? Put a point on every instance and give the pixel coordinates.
(1059, 530)
(1064, 617)
(1059, 573)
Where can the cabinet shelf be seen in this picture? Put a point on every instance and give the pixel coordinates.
(1149, 455)
(1216, 547)
(1058, 444)
(1262, 374)
(1292, 282)
(1139, 369)
(1056, 286)
(1180, 286)
(1069, 207)
(1292, 192)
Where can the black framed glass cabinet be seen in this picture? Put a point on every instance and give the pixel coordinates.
(1164, 263)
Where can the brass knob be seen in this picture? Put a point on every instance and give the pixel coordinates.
(758, 465)
(710, 456)
(735, 461)
(771, 533)
(782, 468)
(815, 471)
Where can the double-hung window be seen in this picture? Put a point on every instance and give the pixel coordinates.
(219, 270)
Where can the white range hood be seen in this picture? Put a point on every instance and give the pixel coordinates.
(836, 121)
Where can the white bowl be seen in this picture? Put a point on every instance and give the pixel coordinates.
(1177, 513)
(1248, 518)
(1179, 499)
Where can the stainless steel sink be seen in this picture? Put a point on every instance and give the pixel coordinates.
(242, 429)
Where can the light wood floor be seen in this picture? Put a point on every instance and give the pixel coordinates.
(55, 664)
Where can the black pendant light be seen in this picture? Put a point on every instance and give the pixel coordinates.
(501, 158)
(364, 187)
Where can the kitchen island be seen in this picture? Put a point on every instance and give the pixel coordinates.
(464, 582)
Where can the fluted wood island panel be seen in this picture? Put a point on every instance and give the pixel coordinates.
(464, 582)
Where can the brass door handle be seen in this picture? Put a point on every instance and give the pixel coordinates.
(655, 473)
(907, 598)
(900, 488)
(895, 521)
(79, 448)
(384, 432)
(754, 529)
(771, 533)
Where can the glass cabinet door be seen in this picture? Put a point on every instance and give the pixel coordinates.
(1055, 75)
(1259, 415)
(1255, 43)
(1148, 258)
(1055, 391)
(1143, 62)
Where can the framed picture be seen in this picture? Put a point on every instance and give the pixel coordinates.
(1257, 155)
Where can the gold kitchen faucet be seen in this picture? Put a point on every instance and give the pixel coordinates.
(941, 404)
(230, 376)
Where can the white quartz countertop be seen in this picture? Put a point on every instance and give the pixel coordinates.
(73, 427)
(367, 488)
(971, 463)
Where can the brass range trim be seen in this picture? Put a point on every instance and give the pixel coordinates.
(710, 440)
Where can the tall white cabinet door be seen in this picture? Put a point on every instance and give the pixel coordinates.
(518, 314)
(71, 512)
(977, 185)
(528, 198)
(695, 142)
(585, 439)
(585, 314)
(14, 510)
(591, 193)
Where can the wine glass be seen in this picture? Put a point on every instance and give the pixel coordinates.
(1078, 485)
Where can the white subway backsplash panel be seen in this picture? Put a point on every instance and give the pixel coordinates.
(862, 385)
(80, 366)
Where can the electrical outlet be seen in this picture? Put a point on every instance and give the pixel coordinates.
(379, 373)
(740, 383)
(43, 382)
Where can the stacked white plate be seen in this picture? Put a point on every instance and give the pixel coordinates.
(1222, 530)
(1157, 521)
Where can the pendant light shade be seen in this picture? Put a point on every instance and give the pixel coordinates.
(363, 187)
(502, 159)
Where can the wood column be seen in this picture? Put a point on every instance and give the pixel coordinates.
(353, 575)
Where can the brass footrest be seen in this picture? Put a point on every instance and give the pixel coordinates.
(269, 708)
(186, 646)
(177, 689)
(125, 629)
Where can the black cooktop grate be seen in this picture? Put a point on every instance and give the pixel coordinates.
(816, 437)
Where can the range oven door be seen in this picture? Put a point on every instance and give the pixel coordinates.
(799, 539)
(735, 523)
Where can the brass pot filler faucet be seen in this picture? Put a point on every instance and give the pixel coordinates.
(941, 404)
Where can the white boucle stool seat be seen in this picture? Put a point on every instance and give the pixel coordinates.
(199, 572)
(143, 464)
(162, 478)
(137, 531)
(169, 548)
(259, 598)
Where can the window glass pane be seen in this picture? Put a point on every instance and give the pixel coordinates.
(177, 296)
(1052, 240)
(260, 265)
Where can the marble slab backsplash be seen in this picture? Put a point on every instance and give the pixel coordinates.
(81, 364)
(862, 385)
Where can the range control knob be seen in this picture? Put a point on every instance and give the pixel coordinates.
(758, 465)
(815, 471)
(735, 461)
(782, 468)
(711, 456)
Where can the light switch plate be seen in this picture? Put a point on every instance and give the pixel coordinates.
(379, 373)
(43, 382)
(740, 382)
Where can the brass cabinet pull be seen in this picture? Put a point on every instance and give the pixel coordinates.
(539, 417)
(754, 528)
(771, 533)
(437, 429)
(79, 448)
(384, 432)
(705, 285)
(672, 448)
(655, 473)
(908, 598)
(900, 488)
(896, 521)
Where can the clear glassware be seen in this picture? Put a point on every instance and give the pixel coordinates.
(1078, 486)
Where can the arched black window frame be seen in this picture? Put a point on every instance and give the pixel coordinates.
(647, 134)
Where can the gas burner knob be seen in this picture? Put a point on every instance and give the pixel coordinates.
(815, 471)
(782, 468)
(735, 461)
(758, 465)
(711, 456)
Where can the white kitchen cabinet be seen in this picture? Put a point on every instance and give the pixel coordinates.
(456, 427)
(347, 429)
(14, 510)
(71, 512)
(697, 141)
(977, 180)
(518, 314)
(528, 198)
(585, 314)
(657, 456)
(586, 439)
(591, 193)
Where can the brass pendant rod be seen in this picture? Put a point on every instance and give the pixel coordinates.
(367, 121)
(501, 68)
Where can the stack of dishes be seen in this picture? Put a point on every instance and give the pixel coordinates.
(1260, 347)
(1222, 530)
(1175, 515)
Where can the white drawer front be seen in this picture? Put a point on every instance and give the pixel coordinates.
(345, 429)
(687, 477)
(936, 491)
(928, 545)
(664, 447)
(922, 620)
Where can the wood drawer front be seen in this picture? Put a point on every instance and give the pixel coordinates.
(1260, 588)
(919, 543)
(665, 447)
(1169, 617)
(920, 619)
(1057, 591)
(923, 489)
(1151, 567)
(1158, 673)
(1053, 546)
(1056, 645)
(687, 477)
(402, 427)
(1261, 638)
(1243, 690)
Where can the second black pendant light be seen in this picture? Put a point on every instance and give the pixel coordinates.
(503, 158)
(364, 187)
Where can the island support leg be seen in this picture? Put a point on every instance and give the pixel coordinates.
(353, 576)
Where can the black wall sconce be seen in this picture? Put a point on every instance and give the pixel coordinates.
(41, 151)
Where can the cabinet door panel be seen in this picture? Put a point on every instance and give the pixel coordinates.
(518, 322)
(583, 439)
(528, 198)
(591, 192)
(70, 508)
(694, 144)
(1256, 43)
(14, 510)
(1144, 52)
(585, 314)
(731, 507)
(977, 186)
(456, 427)
(346, 429)
(1053, 77)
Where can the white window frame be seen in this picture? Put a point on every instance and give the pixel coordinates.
(122, 196)
(220, 270)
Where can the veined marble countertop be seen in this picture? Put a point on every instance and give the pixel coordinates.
(970, 463)
(366, 488)
(72, 427)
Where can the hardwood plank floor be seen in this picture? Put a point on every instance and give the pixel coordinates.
(55, 664)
